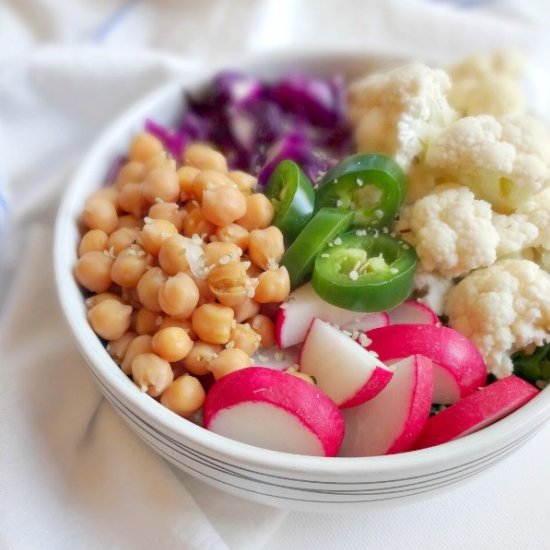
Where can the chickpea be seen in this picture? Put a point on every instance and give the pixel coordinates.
(110, 319)
(140, 344)
(235, 234)
(206, 295)
(195, 223)
(215, 251)
(122, 238)
(102, 296)
(93, 240)
(173, 255)
(109, 193)
(161, 183)
(259, 212)
(151, 373)
(213, 323)
(245, 310)
(117, 348)
(266, 247)
(144, 147)
(229, 360)
(229, 283)
(162, 160)
(129, 266)
(245, 338)
(198, 359)
(154, 233)
(131, 172)
(93, 271)
(273, 286)
(172, 343)
(100, 213)
(254, 271)
(186, 176)
(210, 180)
(245, 182)
(264, 327)
(204, 157)
(168, 211)
(223, 206)
(131, 199)
(185, 324)
(129, 220)
(184, 396)
(179, 296)
(147, 321)
(130, 296)
(148, 288)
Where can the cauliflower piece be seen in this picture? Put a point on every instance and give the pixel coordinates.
(515, 232)
(451, 231)
(400, 111)
(488, 83)
(503, 160)
(502, 309)
(537, 211)
(510, 63)
(431, 289)
(496, 95)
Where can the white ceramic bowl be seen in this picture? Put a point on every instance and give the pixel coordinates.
(270, 477)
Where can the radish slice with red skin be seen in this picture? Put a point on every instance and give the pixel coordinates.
(459, 368)
(303, 305)
(274, 410)
(412, 313)
(343, 369)
(390, 422)
(480, 409)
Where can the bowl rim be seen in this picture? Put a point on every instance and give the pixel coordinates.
(392, 467)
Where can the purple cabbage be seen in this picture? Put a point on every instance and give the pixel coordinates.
(318, 100)
(173, 141)
(256, 124)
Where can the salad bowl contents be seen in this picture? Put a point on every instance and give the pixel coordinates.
(295, 273)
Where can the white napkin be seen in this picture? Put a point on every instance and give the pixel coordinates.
(72, 475)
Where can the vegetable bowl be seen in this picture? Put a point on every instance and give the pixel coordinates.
(281, 479)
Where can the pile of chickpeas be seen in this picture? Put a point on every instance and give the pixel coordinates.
(182, 264)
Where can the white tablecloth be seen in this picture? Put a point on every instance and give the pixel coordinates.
(71, 474)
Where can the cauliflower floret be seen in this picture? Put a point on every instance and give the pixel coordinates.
(502, 309)
(503, 161)
(488, 84)
(491, 95)
(399, 112)
(510, 63)
(537, 211)
(516, 233)
(431, 289)
(451, 231)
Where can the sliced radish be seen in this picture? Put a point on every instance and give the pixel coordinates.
(412, 313)
(274, 358)
(274, 410)
(459, 368)
(390, 422)
(478, 410)
(343, 369)
(303, 305)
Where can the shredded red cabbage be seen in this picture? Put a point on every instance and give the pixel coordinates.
(257, 124)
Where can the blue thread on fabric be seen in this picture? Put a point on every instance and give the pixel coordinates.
(101, 33)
